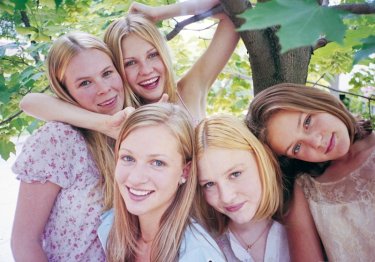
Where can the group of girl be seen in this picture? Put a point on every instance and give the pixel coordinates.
(171, 189)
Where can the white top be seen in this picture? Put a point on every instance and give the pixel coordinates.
(197, 245)
(277, 248)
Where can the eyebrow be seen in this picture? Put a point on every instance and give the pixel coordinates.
(298, 125)
(151, 155)
(85, 77)
(147, 52)
(229, 170)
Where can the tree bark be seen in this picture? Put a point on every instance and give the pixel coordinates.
(268, 66)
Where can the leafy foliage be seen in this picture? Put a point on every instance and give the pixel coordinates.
(28, 27)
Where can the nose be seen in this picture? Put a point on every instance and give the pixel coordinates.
(103, 87)
(226, 194)
(146, 68)
(137, 176)
(315, 140)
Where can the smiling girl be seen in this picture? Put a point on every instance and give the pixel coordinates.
(333, 207)
(66, 172)
(155, 182)
(145, 63)
(240, 191)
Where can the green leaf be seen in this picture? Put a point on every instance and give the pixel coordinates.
(34, 125)
(6, 147)
(26, 30)
(5, 97)
(365, 50)
(20, 4)
(302, 22)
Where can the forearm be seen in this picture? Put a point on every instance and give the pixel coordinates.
(49, 108)
(28, 251)
(190, 7)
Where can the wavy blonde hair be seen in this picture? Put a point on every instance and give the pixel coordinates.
(62, 51)
(142, 27)
(125, 231)
(228, 132)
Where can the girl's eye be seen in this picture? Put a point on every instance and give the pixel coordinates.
(307, 122)
(153, 54)
(127, 159)
(296, 149)
(84, 83)
(107, 73)
(158, 163)
(129, 63)
(208, 185)
(235, 174)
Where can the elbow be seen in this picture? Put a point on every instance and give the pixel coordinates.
(26, 102)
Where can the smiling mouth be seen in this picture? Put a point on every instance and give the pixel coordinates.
(234, 208)
(139, 194)
(108, 102)
(331, 144)
(151, 83)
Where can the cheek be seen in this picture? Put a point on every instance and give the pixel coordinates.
(120, 174)
(211, 198)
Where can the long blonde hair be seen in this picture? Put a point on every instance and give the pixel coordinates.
(62, 51)
(125, 232)
(228, 132)
(145, 29)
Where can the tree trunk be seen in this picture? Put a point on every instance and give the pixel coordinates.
(268, 66)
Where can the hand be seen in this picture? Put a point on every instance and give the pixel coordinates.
(148, 11)
(164, 98)
(114, 122)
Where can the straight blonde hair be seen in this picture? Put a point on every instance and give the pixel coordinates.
(228, 132)
(125, 231)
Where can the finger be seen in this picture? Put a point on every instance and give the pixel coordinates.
(164, 98)
(128, 110)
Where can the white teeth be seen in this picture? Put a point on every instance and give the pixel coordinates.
(150, 81)
(139, 192)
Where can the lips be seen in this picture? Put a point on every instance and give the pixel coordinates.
(150, 83)
(331, 144)
(108, 102)
(139, 194)
(234, 208)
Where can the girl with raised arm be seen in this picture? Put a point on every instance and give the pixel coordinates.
(66, 172)
(155, 182)
(142, 55)
(240, 191)
(333, 204)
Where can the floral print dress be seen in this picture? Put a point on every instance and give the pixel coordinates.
(58, 153)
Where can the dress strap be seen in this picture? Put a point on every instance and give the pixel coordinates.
(194, 121)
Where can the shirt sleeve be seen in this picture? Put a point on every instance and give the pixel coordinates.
(52, 154)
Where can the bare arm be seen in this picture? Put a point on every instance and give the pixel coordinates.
(304, 241)
(49, 108)
(34, 205)
(158, 13)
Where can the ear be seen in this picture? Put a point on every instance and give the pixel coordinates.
(186, 170)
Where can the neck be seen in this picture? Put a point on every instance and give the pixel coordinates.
(149, 228)
(249, 227)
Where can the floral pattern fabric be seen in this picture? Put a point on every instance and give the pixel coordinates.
(58, 153)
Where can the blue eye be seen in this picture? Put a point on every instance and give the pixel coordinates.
(235, 174)
(296, 149)
(307, 122)
(84, 83)
(158, 163)
(127, 158)
(208, 185)
(129, 63)
(154, 54)
(107, 73)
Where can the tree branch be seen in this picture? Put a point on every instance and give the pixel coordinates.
(359, 9)
(180, 25)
